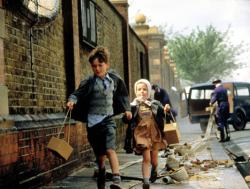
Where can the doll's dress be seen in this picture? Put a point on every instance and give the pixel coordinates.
(147, 134)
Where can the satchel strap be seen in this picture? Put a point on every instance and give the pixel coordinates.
(171, 115)
(64, 121)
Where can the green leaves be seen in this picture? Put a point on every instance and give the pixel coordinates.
(203, 55)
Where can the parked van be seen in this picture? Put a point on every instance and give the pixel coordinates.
(195, 101)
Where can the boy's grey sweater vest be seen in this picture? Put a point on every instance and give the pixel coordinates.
(101, 103)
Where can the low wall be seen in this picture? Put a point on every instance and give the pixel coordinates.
(25, 159)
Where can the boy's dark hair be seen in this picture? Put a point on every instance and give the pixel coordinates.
(101, 53)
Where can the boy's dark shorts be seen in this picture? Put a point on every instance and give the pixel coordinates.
(102, 137)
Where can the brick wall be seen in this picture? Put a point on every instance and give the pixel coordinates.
(25, 156)
(9, 155)
(36, 76)
(138, 62)
(34, 72)
(122, 7)
(2, 35)
(109, 34)
(34, 62)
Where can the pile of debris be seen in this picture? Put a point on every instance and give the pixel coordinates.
(180, 159)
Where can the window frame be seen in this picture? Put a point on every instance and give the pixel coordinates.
(87, 22)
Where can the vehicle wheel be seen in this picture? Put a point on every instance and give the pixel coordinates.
(203, 126)
(239, 121)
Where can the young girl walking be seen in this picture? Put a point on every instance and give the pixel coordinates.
(146, 127)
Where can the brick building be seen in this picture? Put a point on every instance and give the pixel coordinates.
(162, 70)
(43, 57)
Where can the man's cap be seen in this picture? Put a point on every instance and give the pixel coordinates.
(216, 81)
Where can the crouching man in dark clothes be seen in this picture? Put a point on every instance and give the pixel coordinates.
(219, 95)
(161, 95)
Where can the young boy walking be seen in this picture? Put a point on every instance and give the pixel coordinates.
(96, 100)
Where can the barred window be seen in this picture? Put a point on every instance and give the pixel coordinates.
(88, 22)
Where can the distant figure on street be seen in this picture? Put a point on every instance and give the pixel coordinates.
(96, 100)
(219, 95)
(161, 95)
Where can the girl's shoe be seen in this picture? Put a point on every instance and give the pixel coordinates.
(146, 186)
(153, 176)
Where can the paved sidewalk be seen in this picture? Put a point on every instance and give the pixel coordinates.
(220, 177)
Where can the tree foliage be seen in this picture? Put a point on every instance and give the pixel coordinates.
(204, 55)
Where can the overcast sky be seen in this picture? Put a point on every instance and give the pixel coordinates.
(185, 15)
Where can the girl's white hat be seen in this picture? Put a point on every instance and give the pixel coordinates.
(145, 81)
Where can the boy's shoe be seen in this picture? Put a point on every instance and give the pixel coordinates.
(95, 174)
(115, 186)
(101, 185)
(146, 186)
(116, 182)
(101, 178)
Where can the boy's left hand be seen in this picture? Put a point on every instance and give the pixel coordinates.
(128, 115)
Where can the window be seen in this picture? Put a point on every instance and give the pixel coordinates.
(208, 93)
(201, 94)
(88, 22)
(197, 94)
(242, 91)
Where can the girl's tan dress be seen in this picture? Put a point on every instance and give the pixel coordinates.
(147, 134)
